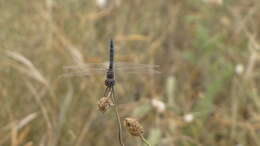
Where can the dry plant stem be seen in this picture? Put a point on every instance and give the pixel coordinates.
(144, 140)
(118, 117)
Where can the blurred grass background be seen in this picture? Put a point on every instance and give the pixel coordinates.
(208, 52)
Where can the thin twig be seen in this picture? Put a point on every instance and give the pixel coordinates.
(145, 141)
(118, 117)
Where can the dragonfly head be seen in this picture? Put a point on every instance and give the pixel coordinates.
(109, 82)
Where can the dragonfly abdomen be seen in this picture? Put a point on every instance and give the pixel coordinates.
(111, 54)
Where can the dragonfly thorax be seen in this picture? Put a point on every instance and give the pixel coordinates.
(110, 81)
(110, 74)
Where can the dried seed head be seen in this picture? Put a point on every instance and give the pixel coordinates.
(133, 127)
(104, 104)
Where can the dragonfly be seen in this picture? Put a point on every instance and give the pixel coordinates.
(110, 68)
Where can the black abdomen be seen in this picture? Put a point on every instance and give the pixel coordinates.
(111, 54)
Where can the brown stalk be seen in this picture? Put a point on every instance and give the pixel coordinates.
(115, 100)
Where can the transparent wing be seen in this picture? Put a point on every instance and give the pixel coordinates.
(117, 65)
(134, 65)
(88, 65)
(101, 68)
(83, 73)
(150, 71)
(134, 68)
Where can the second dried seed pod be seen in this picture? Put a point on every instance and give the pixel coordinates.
(133, 127)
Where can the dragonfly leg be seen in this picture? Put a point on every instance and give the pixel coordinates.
(107, 91)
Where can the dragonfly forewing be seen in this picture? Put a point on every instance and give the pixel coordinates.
(97, 68)
(135, 65)
(116, 65)
(83, 73)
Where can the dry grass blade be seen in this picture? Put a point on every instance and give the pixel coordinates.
(76, 55)
(25, 121)
(28, 68)
(15, 127)
(37, 95)
(63, 114)
(254, 47)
